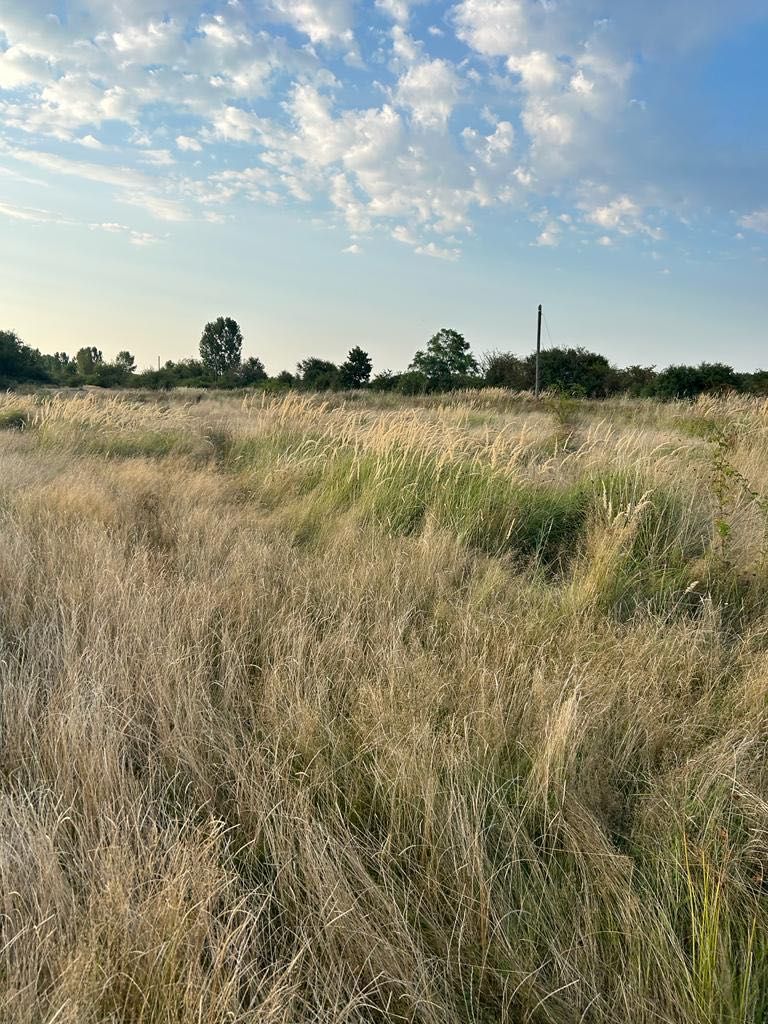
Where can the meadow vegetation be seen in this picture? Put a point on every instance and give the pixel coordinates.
(357, 708)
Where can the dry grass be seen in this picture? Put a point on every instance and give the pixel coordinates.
(358, 711)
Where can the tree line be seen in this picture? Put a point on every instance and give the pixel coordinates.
(444, 364)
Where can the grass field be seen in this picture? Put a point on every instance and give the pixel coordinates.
(359, 710)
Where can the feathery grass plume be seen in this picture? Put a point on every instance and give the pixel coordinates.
(319, 710)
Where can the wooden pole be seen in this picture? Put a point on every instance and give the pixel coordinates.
(538, 355)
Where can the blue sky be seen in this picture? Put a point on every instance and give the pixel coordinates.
(340, 172)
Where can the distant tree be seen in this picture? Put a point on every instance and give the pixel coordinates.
(447, 361)
(355, 371)
(755, 383)
(251, 371)
(691, 381)
(59, 366)
(636, 380)
(413, 382)
(87, 360)
(188, 373)
(108, 375)
(221, 345)
(19, 362)
(286, 377)
(385, 381)
(718, 377)
(575, 371)
(125, 361)
(318, 374)
(505, 370)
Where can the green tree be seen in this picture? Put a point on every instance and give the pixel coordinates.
(108, 375)
(755, 383)
(87, 360)
(447, 361)
(318, 374)
(125, 361)
(251, 371)
(355, 371)
(692, 381)
(505, 370)
(385, 381)
(412, 382)
(220, 345)
(575, 371)
(19, 362)
(60, 366)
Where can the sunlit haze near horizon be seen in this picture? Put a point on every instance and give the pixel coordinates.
(339, 173)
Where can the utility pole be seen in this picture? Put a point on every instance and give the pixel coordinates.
(538, 354)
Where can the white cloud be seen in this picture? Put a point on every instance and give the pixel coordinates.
(549, 236)
(90, 142)
(135, 187)
(403, 234)
(188, 144)
(160, 207)
(233, 125)
(437, 252)
(398, 10)
(623, 215)
(157, 157)
(30, 214)
(430, 91)
(495, 28)
(324, 21)
(755, 221)
(353, 250)
(33, 215)
(106, 174)
(134, 237)
(20, 68)
(538, 70)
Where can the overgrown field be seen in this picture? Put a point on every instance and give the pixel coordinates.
(353, 710)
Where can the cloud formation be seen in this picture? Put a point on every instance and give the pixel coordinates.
(360, 109)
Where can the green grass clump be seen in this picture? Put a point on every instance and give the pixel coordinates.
(123, 444)
(14, 419)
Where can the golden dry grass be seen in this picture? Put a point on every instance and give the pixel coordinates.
(355, 710)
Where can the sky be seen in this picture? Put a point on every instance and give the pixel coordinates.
(342, 172)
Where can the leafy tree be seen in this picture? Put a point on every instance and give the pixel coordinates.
(108, 375)
(413, 382)
(755, 383)
(385, 381)
(251, 371)
(355, 371)
(125, 361)
(87, 360)
(19, 362)
(636, 380)
(505, 370)
(318, 374)
(718, 377)
(220, 345)
(286, 377)
(59, 366)
(447, 362)
(575, 371)
(691, 381)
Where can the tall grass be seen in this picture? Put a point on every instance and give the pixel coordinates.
(359, 711)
